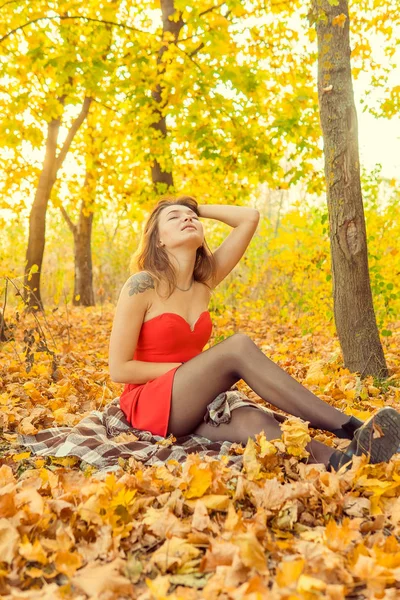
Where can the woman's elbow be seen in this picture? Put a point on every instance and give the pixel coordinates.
(115, 374)
(114, 378)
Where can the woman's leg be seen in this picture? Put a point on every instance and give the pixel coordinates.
(247, 422)
(198, 381)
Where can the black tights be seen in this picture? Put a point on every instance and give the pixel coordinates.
(198, 381)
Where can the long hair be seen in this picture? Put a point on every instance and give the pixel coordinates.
(154, 259)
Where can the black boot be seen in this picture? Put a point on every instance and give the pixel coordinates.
(348, 429)
(378, 449)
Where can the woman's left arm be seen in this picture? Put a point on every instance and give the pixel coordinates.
(244, 221)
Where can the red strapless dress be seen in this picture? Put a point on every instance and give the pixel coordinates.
(165, 338)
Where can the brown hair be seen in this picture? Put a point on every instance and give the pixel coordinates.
(152, 258)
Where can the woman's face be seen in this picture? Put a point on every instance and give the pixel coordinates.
(179, 226)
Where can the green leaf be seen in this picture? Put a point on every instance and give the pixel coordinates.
(386, 332)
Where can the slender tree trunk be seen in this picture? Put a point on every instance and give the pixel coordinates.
(83, 281)
(37, 220)
(37, 217)
(353, 307)
(82, 233)
(3, 328)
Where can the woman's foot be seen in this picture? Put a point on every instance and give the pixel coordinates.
(378, 437)
(348, 429)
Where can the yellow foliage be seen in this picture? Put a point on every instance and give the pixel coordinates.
(289, 571)
(296, 437)
(200, 481)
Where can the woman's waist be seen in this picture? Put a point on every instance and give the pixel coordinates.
(156, 359)
(180, 356)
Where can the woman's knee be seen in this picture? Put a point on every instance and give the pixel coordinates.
(235, 348)
(239, 342)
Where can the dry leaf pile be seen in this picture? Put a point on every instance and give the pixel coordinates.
(280, 529)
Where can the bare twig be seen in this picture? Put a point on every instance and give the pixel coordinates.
(66, 310)
(35, 317)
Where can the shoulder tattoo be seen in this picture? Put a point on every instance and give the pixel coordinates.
(140, 282)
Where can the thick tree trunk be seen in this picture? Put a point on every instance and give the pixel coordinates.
(353, 307)
(37, 217)
(159, 176)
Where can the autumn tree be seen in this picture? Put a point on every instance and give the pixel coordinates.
(353, 306)
(193, 102)
(55, 85)
(215, 103)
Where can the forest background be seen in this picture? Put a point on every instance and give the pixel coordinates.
(242, 127)
(103, 108)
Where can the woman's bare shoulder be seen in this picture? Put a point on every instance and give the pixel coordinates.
(140, 282)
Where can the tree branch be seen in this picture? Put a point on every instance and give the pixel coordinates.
(9, 2)
(210, 9)
(64, 17)
(74, 128)
(68, 220)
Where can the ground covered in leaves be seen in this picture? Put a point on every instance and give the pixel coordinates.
(280, 528)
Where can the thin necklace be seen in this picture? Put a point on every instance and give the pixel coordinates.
(188, 287)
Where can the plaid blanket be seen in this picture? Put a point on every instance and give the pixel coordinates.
(101, 438)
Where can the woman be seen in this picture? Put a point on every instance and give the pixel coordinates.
(162, 322)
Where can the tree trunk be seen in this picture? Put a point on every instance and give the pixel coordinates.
(158, 175)
(37, 217)
(353, 307)
(37, 221)
(82, 232)
(3, 328)
(83, 281)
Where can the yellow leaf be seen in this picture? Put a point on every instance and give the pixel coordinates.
(32, 552)
(315, 374)
(212, 502)
(266, 448)
(7, 500)
(339, 20)
(295, 436)
(339, 537)
(289, 571)
(67, 562)
(34, 572)
(94, 579)
(251, 551)
(9, 540)
(32, 270)
(158, 586)
(174, 553)
(21, 456)
(373, 391)
(309, 584)
(200, 481)
(251, 464)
